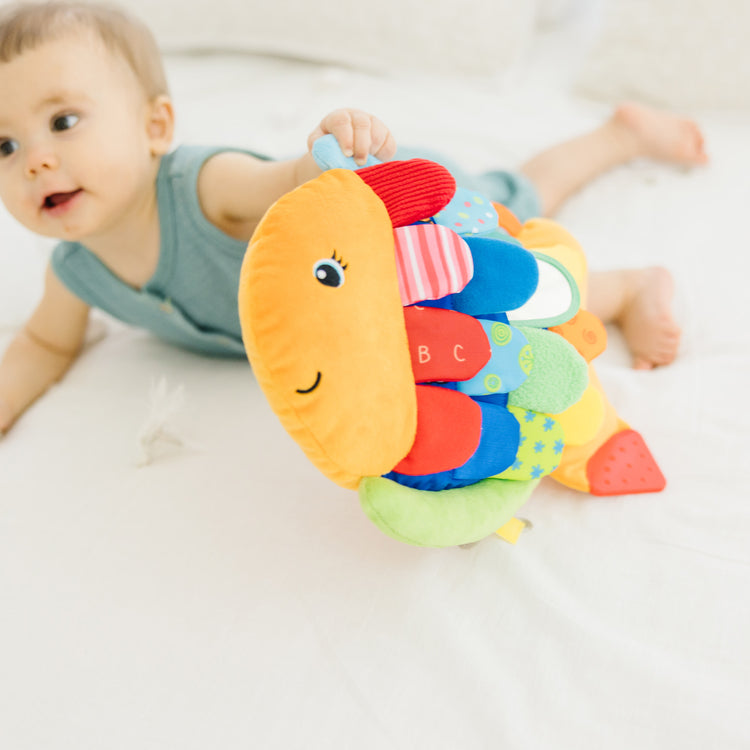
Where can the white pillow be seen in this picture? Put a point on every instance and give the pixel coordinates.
(682, 54)
(439, 36)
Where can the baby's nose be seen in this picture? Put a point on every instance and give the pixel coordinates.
(40, 159)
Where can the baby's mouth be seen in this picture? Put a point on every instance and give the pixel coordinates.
(59, 199)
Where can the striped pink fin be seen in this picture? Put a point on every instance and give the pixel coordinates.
(432, 261)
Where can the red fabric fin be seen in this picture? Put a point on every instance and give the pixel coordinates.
(412, 190)
(444, 344)
(624, 466)
(449, 427)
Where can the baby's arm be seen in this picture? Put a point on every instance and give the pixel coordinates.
(41, 353)
(235, 189)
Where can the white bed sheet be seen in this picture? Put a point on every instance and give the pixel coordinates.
(228, 596)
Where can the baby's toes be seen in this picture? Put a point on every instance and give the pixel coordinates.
(642, 363)
(692, 145)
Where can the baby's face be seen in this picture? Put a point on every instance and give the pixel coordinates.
(75, 154)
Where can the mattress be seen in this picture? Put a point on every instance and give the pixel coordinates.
(175, 574)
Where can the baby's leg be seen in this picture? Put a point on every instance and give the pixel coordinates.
(633, 131)
(639, 301)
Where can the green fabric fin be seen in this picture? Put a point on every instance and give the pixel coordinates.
(446, 518)
(540, 449)
(559, 376)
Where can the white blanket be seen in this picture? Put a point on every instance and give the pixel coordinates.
(225, 595)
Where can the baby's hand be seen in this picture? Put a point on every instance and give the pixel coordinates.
(358, 134)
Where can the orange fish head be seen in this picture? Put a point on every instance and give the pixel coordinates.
(323, 326)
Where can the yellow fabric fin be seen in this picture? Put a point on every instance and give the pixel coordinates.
(550, 238)
(582, 421)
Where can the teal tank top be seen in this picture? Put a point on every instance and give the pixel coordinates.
(191, 300)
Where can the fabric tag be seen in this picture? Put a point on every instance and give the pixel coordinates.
(512, 530)
(328, 155)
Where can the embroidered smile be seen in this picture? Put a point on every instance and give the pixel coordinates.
(313, 386)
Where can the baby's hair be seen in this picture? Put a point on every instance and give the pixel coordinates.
(26, 25)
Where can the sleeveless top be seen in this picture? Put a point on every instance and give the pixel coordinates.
(191, 300)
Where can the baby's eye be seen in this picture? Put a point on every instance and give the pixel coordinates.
(63, 122)
(329, 272)
(7, 147)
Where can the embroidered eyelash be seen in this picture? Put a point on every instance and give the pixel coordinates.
(340, 261)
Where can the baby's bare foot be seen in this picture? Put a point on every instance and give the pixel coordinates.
(646, 319)
(659, 135)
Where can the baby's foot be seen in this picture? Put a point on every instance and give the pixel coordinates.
(659, 135)
(646, 319)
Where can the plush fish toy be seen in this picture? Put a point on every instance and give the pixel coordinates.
(425, 348)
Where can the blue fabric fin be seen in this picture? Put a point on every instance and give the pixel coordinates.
(505, 276)
(510, 362)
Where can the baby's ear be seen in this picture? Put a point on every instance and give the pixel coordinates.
(160, 124)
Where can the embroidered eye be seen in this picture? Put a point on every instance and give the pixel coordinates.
(8, 147)
(330, 271)
(63, 122)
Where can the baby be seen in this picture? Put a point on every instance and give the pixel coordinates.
(156, 236)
